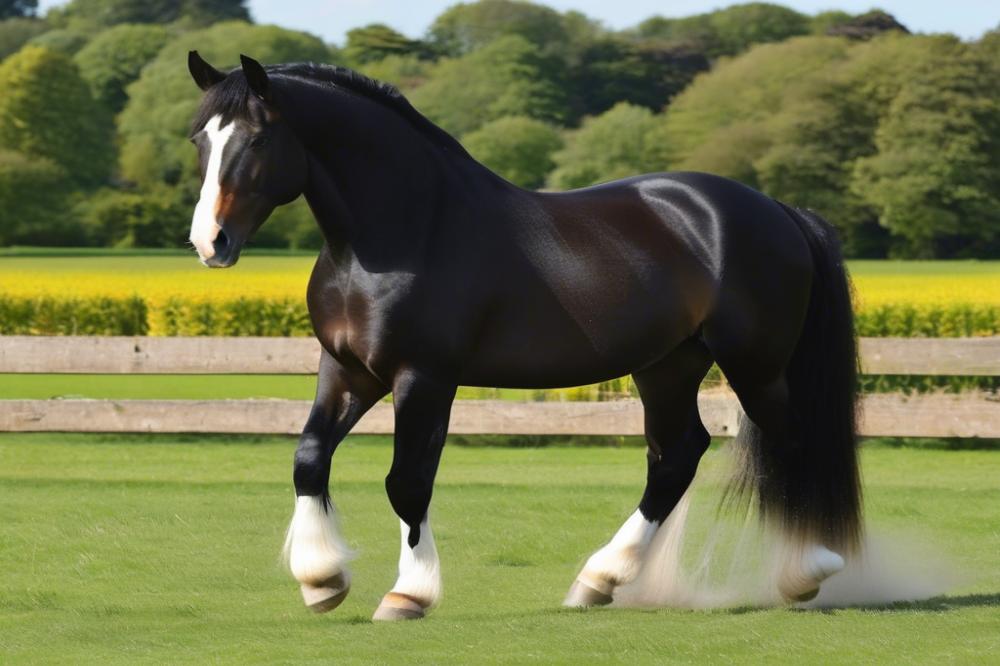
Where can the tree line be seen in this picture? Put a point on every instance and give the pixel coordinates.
(894, 137)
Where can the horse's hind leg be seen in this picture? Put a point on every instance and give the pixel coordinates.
(760, 382)
(676, 441)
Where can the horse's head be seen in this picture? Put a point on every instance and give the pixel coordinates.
(251, 161)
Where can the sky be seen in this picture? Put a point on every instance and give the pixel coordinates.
(330, 19)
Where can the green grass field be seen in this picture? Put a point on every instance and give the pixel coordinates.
(189, 387)
(133, 549)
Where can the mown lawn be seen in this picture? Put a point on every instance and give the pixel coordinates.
(133, 549)
(193, 387)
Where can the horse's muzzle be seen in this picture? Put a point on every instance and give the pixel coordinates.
(227, 251)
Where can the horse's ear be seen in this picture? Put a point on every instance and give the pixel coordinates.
(203, 74)
(256, 78)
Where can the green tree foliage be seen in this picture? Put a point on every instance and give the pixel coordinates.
(893, 137)
(761, 119)
(934, 180)
(508, 77)
(822, 23)
(466, 27)
(868, 25)
(33, 201)
(204, 12)
(519, 149)
(17, 8)
(888, 132)
(739, 27)
(64, 40)
(378, 41)
(115, 218)
(46, 110)
(731, 30)
(691, 31)
(103, 13)
(610, 70)
(405, 72)
(155, 122)
(612, 145)
(744, 91)
(16, 32)
(292, 226)
(581, 30)
(114, 58)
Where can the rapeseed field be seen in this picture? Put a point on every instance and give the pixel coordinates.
(265, 295)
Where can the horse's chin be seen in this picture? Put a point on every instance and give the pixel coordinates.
(222, 262)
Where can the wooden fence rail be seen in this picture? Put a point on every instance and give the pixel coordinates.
(928, 415)
(299, 356)
(886, 415)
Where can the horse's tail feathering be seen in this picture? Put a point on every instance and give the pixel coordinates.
(811, 489)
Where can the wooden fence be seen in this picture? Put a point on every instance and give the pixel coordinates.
(925, 415)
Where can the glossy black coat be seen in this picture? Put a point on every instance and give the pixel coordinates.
(437, 273)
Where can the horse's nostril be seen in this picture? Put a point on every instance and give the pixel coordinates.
(221, 241)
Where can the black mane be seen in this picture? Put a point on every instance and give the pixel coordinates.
(231, 97)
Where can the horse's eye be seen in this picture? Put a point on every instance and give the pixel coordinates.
(258, 141)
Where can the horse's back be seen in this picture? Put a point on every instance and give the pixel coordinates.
(693, 248)
(719, 220)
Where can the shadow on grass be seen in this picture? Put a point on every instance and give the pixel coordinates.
(941, 604)
(936, 605)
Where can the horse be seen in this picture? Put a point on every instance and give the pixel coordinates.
(436, 273)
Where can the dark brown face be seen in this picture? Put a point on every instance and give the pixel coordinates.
(248, 168)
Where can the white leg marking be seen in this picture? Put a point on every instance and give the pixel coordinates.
(204, 227)
(619, 562)
(419, 567)
(804, 568)
(314, 549)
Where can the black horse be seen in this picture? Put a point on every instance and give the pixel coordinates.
(437, 273)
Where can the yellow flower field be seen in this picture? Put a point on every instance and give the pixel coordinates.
(155, 278)
(884, 289)
(922, 283)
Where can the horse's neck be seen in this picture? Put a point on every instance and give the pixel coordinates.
(388, 198)
(376, 214)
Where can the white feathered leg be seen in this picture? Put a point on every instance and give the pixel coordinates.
(615, 564)
(804, 568)
(418, 587)
(316, 553)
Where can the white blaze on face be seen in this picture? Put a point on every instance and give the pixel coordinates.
(204, 226)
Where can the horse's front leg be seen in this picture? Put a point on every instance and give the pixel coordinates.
(314, 549)
(422, 407)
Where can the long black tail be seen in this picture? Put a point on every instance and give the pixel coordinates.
(810, 486)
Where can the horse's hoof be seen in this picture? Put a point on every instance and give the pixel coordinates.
(816, 565)
(585, 594)
(396, 607)
(327, 595)
(802, 597)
